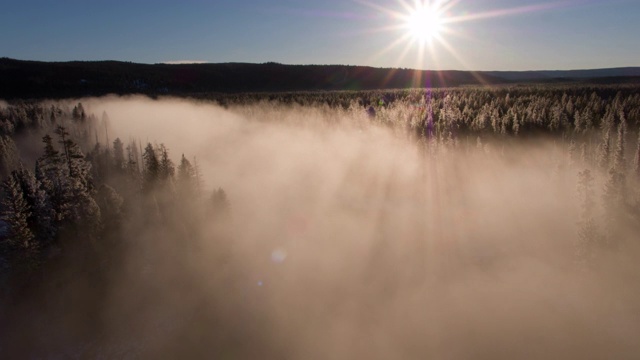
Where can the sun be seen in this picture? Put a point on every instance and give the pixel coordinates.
(425, 28)
(424, 23)
(422, 27)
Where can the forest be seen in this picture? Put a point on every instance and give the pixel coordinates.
(343, 224)
(20, 79)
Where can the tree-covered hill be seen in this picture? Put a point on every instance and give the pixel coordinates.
(34, 79)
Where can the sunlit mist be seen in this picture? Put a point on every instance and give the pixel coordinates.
(349, 234)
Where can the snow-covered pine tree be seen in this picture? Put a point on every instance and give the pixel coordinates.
(8, 156)
(572, 149)
(85, 210)
(67, 180)
(588, 234)
(619, 162)
(614, 188)
(20, 244)
(614, 191)
(41, 221)
(578, 125)
(637, 160)
(604, 149)
(51, 175)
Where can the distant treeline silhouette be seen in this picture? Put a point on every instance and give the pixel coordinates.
(33, 79)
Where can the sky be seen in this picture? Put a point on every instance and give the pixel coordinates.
(472, 35)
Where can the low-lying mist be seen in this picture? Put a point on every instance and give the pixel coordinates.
(347, 239)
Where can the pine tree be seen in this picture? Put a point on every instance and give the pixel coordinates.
(167, 169)
(588, 234)
(186, 180)
(15, 212)
(101, 162)
(53, 115)
(67, 181)
(42, 216)
(81, 168)
(8, 156)
(614, 191)
(111, 206)
(556, 117)
(587, 119)
(583, 153)
(572, 153)
(86, 211)
(62, 132)
(118, 155)
(219, 202)
(605, 149)
(51, 175)
(198, 177)
(78, 113)
(151, 170)
(577, 122)
(619, 162)
(637, 160)
(131, 166)
(615, 186)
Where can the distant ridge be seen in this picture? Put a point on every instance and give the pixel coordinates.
(36, 79)
(566, 74)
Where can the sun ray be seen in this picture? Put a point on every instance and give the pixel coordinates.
(380, 8)
(391, 46)
(507, 12)
(428, 24)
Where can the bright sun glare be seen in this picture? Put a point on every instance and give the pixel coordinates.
(424, 23)
(425, 26)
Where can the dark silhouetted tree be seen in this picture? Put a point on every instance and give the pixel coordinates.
(186, 181)
(219, 202)
(166, 167)
(151, 170)
(118, 155)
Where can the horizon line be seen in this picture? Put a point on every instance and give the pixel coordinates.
(206, 62)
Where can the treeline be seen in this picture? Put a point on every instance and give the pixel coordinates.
(556, 110)
(534, 106)
(46, 80)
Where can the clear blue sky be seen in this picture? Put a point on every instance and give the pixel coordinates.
(521, 35)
